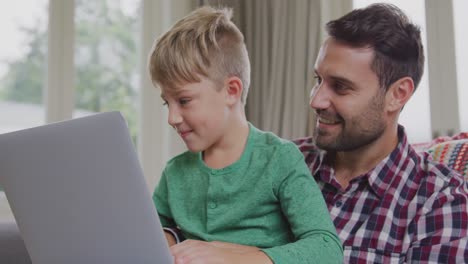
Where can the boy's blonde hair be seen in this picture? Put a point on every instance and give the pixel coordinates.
(206, 42)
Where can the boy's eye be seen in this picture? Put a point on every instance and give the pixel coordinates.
(184, 101)
(318, 79)
(165, 103)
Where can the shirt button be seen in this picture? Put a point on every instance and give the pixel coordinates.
(213, 205)
(338, 203)
(325, 239)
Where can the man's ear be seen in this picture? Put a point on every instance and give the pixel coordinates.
(399, 93)
(234, 90)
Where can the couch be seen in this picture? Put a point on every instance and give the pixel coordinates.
(452, 151)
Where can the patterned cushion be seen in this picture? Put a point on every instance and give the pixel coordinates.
(453, 153)
(424, 146)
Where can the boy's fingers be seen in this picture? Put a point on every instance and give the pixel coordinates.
(185, 248)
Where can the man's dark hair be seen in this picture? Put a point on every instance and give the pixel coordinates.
(395, 39)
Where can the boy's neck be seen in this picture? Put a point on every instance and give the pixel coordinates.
(230, 148)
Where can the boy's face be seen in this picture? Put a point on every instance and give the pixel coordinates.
(198, 112)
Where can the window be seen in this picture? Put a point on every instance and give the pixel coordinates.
(96, 61)
(22, 60)
(106, 58)
(415, 117)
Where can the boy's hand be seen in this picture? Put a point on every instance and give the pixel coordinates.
(200, 252)
(234, 247)
(170, 238)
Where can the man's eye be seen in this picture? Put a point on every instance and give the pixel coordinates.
(339, 87)
(165, 103)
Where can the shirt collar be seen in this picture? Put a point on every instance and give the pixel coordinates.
(323, 170)
(378, 178)
(382, 175)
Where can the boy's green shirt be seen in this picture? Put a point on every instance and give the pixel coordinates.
(266, 199)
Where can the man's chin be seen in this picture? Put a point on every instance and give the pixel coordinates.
(324, 143)
(326, 147)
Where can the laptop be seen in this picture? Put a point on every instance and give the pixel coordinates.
(78, 194)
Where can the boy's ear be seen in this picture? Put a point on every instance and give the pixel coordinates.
(234, 89)
(399, 93)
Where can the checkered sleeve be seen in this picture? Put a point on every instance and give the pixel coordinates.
(441, 229)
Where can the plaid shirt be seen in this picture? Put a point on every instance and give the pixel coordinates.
(407, 209)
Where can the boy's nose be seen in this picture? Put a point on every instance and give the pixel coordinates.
(174, 117)
(319, 98)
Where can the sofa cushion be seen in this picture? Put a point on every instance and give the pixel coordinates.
(453, 153)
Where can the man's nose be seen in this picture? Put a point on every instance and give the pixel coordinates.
(319, 97)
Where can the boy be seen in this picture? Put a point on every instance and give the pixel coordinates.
(236, 184)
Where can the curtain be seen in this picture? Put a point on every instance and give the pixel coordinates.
(283, 38)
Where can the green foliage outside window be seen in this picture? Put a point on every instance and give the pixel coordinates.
(106, 62)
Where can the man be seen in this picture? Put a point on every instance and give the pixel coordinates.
(388, 203)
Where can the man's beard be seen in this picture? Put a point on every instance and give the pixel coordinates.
(361, 130)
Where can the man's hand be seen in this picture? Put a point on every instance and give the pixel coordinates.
(200, 252)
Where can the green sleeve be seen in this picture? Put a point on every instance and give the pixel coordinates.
(303, 205)
(160, 199)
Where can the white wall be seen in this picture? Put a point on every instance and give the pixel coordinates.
(461, 43)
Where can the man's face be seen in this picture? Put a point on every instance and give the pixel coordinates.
(347, 98)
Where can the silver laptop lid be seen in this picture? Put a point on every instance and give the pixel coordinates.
(78, 193)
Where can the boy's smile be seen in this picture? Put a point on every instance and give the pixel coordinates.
(184, 133)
